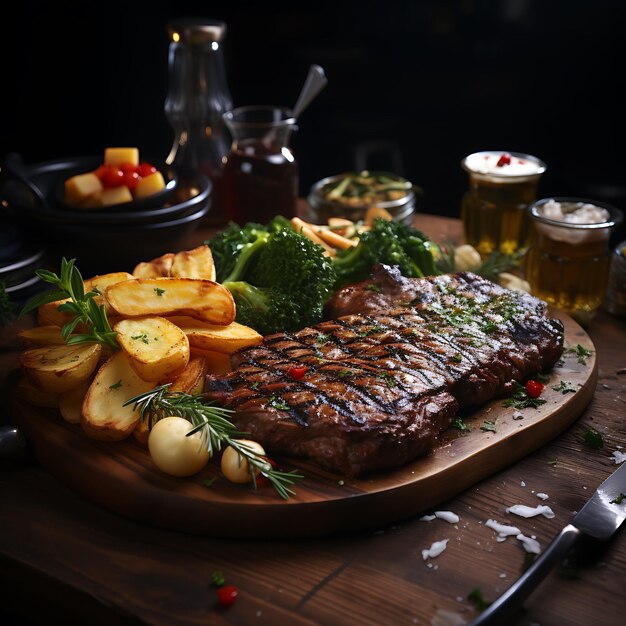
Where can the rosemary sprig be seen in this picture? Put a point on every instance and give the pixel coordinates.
(216, 429)
(81, 305)
(498, 262)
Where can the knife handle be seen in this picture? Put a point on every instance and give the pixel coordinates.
(513, 598)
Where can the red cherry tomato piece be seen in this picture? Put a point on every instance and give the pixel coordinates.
(145, 169)
(534, 388)
(227, 595)
(505, 159)
(297, 373)
(131, 179)
(100, 171)
(129, 167)
(113, 177)
(261, 481)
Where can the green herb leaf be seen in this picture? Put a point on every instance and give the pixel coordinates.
(217, 578)
(488, 426)
(207, 482)
(565, 386)
(159, 291)
(581, 353)
(618, 500)
(116, 385)
(374, 288)
(83, 307)
(459, 424)
(520, 398)
(592, 438)
(476, 597)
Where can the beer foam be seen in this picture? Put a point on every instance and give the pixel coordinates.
(503, 164)
(574, 212)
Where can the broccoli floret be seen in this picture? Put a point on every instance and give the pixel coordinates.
(279, 278)
(388, 242)
(264, 309)
(227, 245)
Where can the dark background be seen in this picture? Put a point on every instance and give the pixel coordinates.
(426, 81)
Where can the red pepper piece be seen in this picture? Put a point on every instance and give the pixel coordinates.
(297, 373)
(534, 388)
(505, 159)
(227, 595)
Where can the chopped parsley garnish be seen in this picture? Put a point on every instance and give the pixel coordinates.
(476, 597)
(255, 385)
(159, 291)
(618, 500)
(278, 403)
(143, 337)
(488, 426)
(116, 385)
(322, 338)
(345, 373)
(457, 358)
(217, 578)
(542, 378)
(459, 424)
(207, 482)
(388, 378)
(592, 438)
(565, 387)
(520, 398)
(581, 353)
(374, 288)
(370, 331)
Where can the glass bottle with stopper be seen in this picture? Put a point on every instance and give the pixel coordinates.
(198, 95)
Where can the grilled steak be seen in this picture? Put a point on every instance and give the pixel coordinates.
(382, 381)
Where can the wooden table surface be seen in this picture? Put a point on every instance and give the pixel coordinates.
(64, 557)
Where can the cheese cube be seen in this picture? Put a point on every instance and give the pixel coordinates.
(108, 197)
(149, 185)
(81, 187)
(119, 156)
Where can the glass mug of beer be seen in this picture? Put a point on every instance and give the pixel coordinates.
(568, 260)
(494, 209)
(260, 176)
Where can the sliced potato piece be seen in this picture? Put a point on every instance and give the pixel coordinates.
(198, 298)
(39, 336)
(156, 348)
(191, 379)
(103, 415)
(157, 268)
(71, 402)
(217, 362)
(58, 368)
(48, 314)
(101, 282)
(196, 263)
(25, 390)
(225, 339)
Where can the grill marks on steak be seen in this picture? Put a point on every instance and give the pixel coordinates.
(381, 386)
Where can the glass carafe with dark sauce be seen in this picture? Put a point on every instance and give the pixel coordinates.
(260, 177)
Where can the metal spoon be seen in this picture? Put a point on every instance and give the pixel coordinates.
(315, 81)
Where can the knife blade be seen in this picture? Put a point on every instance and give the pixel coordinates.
(600, 518)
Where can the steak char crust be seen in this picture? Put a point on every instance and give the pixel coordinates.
(385, 378)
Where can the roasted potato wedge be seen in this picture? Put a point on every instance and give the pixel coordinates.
(217, 338)
(198, 298)
(40, 336)
(48, 314)
(191, 379)
(56, 369)
(196, 263)
(25, 390)
(217, 362)
(103, 415)
(157, 268)
(71, 402)
(156, 348)
(101, 282)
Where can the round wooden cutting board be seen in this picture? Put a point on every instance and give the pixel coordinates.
(122, 478)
